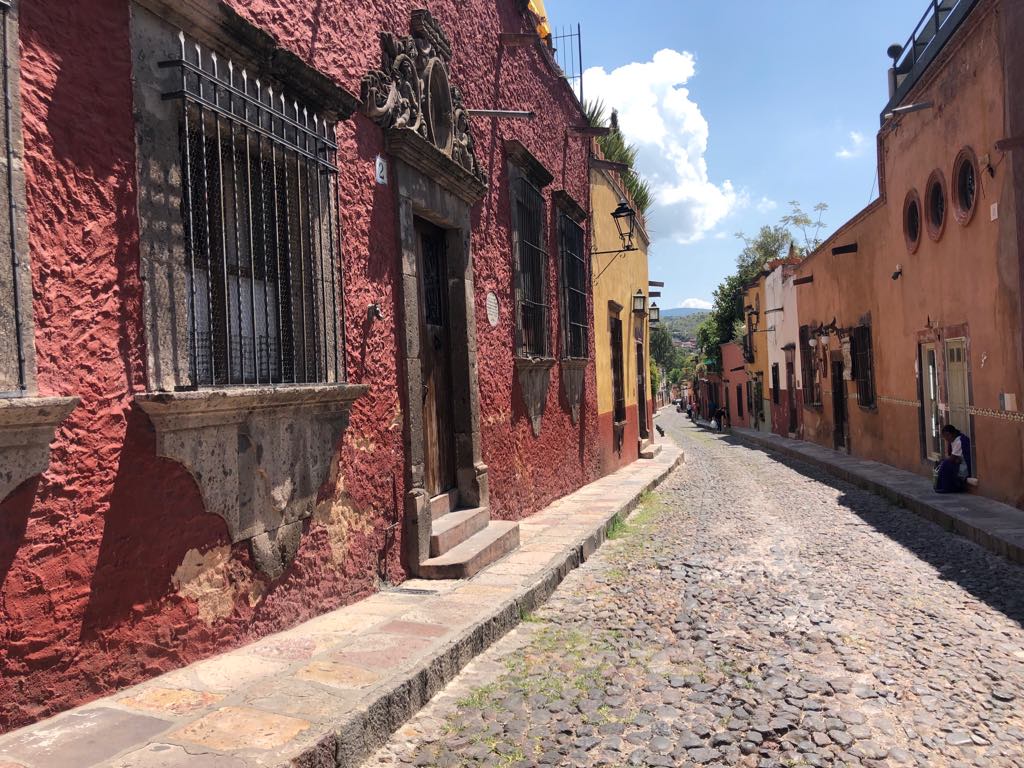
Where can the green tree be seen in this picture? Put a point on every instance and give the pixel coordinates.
(655, 377)
(662, 348)
(810, 228)
(618, 150)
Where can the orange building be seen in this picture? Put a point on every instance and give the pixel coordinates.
(910, 314)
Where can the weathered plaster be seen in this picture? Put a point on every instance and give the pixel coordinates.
(259, 456)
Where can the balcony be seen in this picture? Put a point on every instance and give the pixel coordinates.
(940, 21)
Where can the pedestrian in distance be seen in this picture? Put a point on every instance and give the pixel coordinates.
(952, 472)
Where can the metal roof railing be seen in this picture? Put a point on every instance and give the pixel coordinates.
(937, 26)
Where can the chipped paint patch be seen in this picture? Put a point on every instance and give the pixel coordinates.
(205, 577)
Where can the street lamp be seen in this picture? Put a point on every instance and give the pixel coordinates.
(654, 313)
(625, 223)
(639, 302)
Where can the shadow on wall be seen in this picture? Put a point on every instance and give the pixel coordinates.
(988, 577)
(156, 516)
(14, 514)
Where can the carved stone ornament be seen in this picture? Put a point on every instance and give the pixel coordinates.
(26, 431)
(258, 455)
(411, 91)
(574, 374)
(534, 378)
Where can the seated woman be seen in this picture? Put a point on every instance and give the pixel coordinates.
(952, 472)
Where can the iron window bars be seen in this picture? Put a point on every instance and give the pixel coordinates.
(532, 273)
(20, 377)
(259, 179)
(808, 368)
(574, 287)
(863, 365)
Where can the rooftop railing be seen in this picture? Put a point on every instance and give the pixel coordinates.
(940, 21)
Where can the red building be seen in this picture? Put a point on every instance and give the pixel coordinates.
(279, 298)
(736, 384)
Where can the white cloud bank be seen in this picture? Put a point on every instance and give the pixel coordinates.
(657, 114)
(696, 304)
(854, 149)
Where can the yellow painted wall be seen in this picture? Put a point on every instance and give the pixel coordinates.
(615, 278)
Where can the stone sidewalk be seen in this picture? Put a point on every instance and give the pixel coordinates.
(995, 526)
(330, 691)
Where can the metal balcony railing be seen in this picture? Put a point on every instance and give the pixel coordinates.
(940, 21)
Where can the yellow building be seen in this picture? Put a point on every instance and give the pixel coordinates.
(755, 353)
(621, 348)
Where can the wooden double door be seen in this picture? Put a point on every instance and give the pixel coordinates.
(436, 359)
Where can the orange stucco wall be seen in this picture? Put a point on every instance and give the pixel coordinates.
(965, 281)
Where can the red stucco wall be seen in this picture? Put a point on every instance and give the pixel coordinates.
(89, 551)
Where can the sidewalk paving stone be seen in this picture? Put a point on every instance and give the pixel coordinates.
(997, 527)
(330, 691)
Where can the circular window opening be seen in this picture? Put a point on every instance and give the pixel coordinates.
(912, 220)
(935, 202)
(965, 177)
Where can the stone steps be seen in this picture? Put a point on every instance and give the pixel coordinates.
(649, 450)
(444, 503)
(475, 553)
(452, 529)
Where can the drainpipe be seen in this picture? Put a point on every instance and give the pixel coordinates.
(12, 219)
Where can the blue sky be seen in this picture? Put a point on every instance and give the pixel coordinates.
(739, 106)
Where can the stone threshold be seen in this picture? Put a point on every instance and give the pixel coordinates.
(991, 524)
(328, 693)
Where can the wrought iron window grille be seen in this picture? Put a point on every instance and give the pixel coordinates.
(259, 209)
(532, 330)
(618, 374)
(574, 288)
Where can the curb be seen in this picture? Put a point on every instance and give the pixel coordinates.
(988, 539)
(371, 726)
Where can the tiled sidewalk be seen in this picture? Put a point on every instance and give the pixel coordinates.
(995, 526)
(330, 691)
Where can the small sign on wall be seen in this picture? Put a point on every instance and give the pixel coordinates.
(381, 170)
(492, 309)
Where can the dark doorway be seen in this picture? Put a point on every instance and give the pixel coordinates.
(838, 406)
(438, 426)
(791, 392)
(641, 391)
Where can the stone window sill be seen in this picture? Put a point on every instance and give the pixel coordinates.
(574, 372)
(258, 454)
(534, 375)
(27, 425)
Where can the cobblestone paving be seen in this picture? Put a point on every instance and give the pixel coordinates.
(752, 613)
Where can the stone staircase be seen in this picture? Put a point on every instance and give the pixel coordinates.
(649, 450)
(464, 540)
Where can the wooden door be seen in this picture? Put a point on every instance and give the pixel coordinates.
(641, 390)
(838, 406)
(435, 352)
(956, 384)
(930, 425)
(791, 392)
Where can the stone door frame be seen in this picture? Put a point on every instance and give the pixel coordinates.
(421, 196)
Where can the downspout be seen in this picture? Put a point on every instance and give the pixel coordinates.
(5, 9)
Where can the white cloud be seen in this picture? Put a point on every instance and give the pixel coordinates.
(657, 114)
(721, 235)
(696, 304)
(855, 147)
(766, 205)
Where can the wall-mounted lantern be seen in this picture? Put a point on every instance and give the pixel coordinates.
(654, 313)
(625, 222)
(639, 302)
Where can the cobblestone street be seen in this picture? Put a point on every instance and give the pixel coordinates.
(751, 613)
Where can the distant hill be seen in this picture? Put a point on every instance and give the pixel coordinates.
(682, 312)
(683, 326)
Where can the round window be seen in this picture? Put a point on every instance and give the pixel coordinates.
(965, 178)
(935, 205)
(912, 220)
